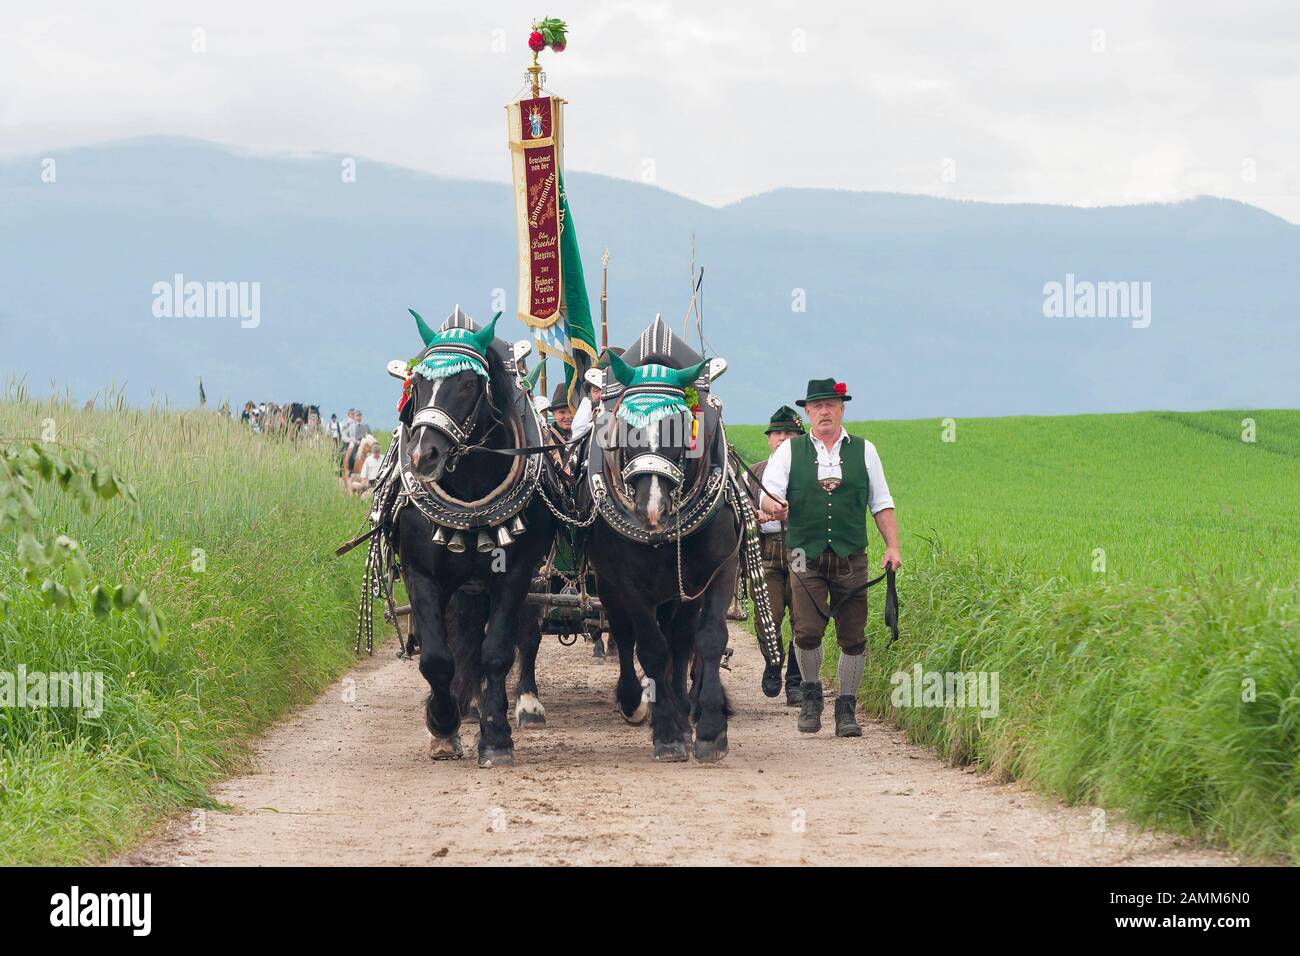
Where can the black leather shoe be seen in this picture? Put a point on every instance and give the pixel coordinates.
(771, 680)
(846, 722)
(793, 695)
(810, 713)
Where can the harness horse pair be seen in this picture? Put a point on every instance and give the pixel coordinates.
(468, 505)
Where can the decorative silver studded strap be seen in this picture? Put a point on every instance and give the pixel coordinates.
(651, 464)
(437, 419)
(766, 630)
(442, 509)
(684, 522)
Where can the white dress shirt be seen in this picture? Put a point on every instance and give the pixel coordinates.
(766, 527)
(582, 419)
(777, 474)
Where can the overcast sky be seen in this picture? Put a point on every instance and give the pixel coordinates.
(1102, 103)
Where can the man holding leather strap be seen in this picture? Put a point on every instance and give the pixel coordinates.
(784, 425)
(828, 481)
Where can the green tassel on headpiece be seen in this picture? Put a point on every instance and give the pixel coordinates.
(652, 392)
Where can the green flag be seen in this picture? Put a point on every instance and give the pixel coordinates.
(577, 307)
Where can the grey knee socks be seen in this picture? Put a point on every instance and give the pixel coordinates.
(810, 663)
(851, 669)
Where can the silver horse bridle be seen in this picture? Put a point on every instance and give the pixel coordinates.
(652, 464)
(433, 417)
(458, 433)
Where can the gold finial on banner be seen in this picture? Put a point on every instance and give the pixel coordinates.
(536, 77)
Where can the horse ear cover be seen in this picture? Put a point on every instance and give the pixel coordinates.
(483, 337)
(622, 371)
(426, 333)
(680, 377)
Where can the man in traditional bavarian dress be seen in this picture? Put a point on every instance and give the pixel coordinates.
(784, 424)
(561, 413)
(828, 482)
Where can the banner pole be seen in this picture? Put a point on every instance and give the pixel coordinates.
(604, 298)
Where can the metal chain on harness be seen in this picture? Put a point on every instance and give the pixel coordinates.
(584, 523)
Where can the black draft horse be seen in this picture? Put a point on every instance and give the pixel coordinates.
(451, 422)
(639, 586)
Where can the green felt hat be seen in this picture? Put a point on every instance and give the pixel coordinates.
(785, 419)
(819, 388)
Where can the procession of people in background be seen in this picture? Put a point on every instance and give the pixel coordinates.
(358, 451)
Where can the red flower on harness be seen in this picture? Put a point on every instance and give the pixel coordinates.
(841, 388)
(406, 393)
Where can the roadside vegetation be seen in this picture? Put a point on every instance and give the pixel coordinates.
(231, 535)
(1134, 583)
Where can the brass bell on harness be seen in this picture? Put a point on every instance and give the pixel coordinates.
(485, 543)
(439, 535)
(457, 543)
(503, 536)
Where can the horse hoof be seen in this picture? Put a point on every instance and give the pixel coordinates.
(638, 716)
(598, 649)
(496, 757)
(529, 711)
(670, 751)
(711, 751)
(446, 748)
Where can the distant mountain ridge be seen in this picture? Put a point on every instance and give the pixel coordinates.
(927, 307)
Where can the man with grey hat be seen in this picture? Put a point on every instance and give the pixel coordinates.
(824, 484)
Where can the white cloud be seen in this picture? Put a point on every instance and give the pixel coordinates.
(726, 99)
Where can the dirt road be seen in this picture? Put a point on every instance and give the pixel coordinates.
(349, 782)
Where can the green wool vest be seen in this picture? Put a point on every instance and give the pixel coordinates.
(821, 519)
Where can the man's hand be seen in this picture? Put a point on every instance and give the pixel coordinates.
(889, 531)
(775, 511)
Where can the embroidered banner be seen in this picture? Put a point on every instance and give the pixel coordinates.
(535, 146)
(552, 288)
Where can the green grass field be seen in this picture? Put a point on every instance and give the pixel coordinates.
(1166, 686)
(257, 623)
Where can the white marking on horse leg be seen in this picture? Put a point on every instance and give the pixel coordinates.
(529, 704)
(642, 709)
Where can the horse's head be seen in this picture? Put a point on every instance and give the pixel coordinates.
(450, 403)
(653, 423)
